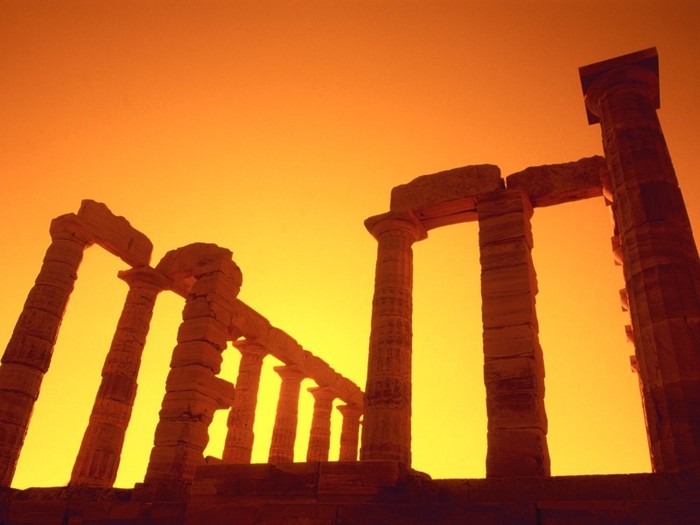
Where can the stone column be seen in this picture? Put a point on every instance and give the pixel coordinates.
(193, 392)
(28, 353)
(97, 462)
(320, 435)
(284, 432)
(241, 420)
(513, 365)
(661, 265)
(349, 433)
(386, 433)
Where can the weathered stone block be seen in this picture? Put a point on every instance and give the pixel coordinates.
(115, 234)
(204, 329)
(511, 341)
(451, 185)
(197, 353)
(560, 183)
(176, 432)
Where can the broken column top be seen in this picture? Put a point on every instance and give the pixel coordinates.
(645, 59)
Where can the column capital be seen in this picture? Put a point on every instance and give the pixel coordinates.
(637, 72)
(252, 348)
(69, 226)
(396, 221)
(290, 373)
(350, 410)
(145, 277)
(323, 393)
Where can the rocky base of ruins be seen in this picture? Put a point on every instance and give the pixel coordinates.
(371, 492)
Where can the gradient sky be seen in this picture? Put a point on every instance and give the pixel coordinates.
(274, 128)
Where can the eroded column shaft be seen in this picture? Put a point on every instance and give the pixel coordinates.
(386, 433)
(284, 432)
(98, 460)
(240, 437)
(513, 365)
(661, 265)
(28, 353)
(349, 433)
(320, 434)
(193, 392)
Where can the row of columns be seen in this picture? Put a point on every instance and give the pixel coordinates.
(662, 291)
(513, 368)
(193, 390)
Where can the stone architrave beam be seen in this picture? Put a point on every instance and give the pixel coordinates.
(559, 183)
(446, 197)
(115, 234)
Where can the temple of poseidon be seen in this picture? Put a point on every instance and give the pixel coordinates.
(372, 482)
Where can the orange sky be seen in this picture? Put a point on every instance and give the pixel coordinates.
(274, 129)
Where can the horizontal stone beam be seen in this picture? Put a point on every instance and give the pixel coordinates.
(558, 183)
(446, 197)
(115, 234)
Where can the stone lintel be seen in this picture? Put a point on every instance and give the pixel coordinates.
(115, 234)
(446, 197)
(559, 183)
(646, 59)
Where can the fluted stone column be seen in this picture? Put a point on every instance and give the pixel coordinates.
(98, 460)
(661, 265)
(193, 391)
(386, 433)
(320, 434)
(350, 432)
(28, 353)
(513, 365)
(241, 420)
(284, 432)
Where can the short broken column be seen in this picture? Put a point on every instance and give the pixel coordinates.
(513, 365)
(98, 460)
(320, 434)
(193, 391)
(661, 264)
(28, 353)
(349, 433)
(240, 437)
(284, 432)
(386, 433)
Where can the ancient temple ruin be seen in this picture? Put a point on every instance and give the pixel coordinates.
(651, 240)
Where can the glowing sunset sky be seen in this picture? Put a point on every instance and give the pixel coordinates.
(274, 129)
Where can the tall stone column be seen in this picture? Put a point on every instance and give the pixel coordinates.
(513, 365)
(320, 435)
(350, 432)
(193, 391)
(98, 460)
(386, 433)
(661, 265)
(284, 432)
(241, 420)
(28, 353)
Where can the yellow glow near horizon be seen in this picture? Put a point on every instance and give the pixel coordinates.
(274, 129)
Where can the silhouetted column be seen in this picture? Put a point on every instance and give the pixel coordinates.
(349, 433)
(661, 265)
(284, 432)
(193, 391)
(241, 419)
(28, 353)
(320, 434)
(97, 462)
(513, 365)
(386, 432)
